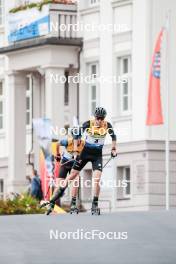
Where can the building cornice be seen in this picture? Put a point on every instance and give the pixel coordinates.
(141, 146)
(37, 42)
(63, 7)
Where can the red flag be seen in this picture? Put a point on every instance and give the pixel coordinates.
(154, 113)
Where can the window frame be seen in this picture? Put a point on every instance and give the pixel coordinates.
(121, 193)
(94, 82)
(125, 195)
(122, 75)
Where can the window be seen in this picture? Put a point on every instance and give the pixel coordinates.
(1, 12)
(1, 189)
(66, 90)
(1, 105)
(125, 85)
(126, 178)
(93, 87)
(124, 181)
(29, 101)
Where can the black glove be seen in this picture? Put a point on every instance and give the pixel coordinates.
(113, 155)
(77, 157)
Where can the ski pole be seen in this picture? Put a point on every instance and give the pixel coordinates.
(47, 192)
(67, 162)
(51, 184)
(108, 161)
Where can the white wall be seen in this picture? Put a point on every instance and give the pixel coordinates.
(140, 62)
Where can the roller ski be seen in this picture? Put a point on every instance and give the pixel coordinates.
(50, 204)
(50, 207)
(95, 210)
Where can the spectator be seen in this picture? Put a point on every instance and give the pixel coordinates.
(28, 178)
(36, 190)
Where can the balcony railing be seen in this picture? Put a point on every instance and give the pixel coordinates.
(63, 21)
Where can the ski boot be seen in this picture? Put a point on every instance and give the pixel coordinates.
(44, 204)
(58, 194)
(95, 210)
(74, 209)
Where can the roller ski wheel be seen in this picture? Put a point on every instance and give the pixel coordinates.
(95, 211)
(74, 210)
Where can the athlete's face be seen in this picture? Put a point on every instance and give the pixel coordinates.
(79, 141)
(99, 121)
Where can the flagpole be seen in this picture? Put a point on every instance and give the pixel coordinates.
(167, 141)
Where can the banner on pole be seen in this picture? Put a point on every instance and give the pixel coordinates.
(154, 111)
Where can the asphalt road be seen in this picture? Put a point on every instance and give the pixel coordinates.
(139, 237)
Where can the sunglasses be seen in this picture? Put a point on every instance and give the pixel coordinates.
(100, 118)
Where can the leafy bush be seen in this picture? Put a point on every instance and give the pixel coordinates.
(25, 204)
(22, 204)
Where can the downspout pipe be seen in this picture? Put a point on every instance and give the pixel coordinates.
(32, 129)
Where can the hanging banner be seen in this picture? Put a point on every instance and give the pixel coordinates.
(154, 110)
(27, 24)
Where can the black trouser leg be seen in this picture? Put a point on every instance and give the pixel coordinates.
(58, 194)
(73, 201)
(95, 201)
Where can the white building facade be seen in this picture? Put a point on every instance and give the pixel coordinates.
(116, 41)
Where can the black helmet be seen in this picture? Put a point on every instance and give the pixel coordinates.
(100, 112)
